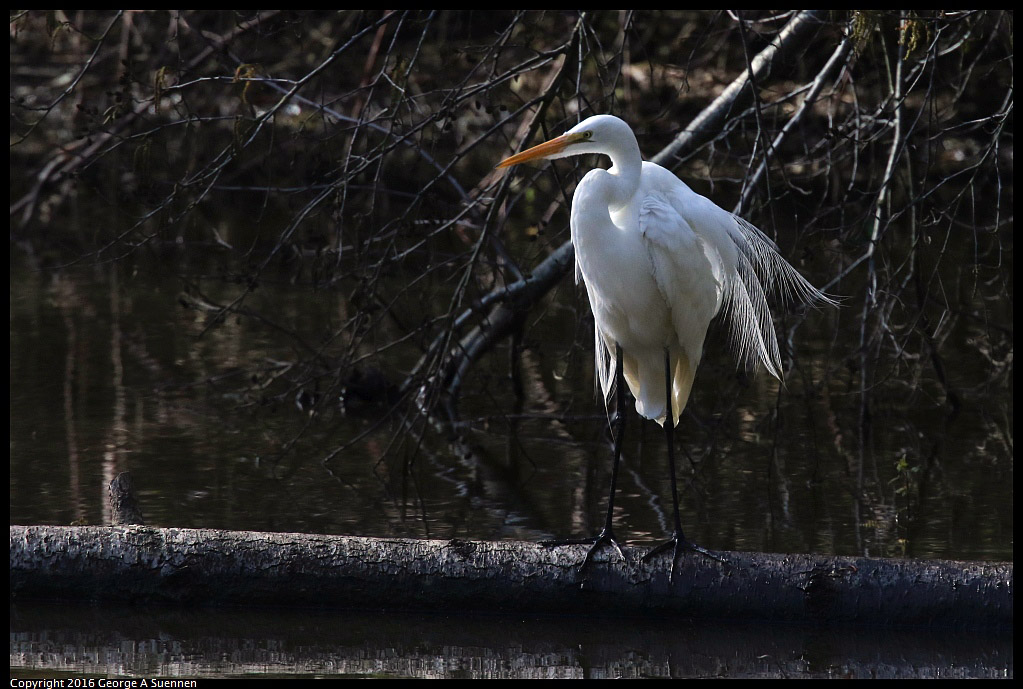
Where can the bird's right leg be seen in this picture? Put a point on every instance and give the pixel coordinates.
(678, 543)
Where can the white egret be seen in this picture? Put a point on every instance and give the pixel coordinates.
(659, 262)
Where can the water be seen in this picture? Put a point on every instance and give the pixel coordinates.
(109, 372)
(112, 641)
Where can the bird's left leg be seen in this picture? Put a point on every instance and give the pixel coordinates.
(606, 536)
(678, 543)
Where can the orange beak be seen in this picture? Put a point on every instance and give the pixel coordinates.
(544, 150)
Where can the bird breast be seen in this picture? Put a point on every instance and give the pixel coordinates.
(652, 281)
(615, 263)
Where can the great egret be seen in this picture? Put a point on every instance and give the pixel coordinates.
(659, 262)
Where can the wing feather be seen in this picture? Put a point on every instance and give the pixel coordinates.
(750, 269)
(690, 278)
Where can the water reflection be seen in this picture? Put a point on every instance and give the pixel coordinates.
(228, 643)
(110, 372)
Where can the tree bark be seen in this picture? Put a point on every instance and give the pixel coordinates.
(210, 567)
(123, 501)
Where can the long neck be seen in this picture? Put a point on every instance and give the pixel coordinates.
(626, 166)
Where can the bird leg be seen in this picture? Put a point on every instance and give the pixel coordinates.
(678, 541)
(606, 535)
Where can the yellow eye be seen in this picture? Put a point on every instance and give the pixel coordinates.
(587, 135)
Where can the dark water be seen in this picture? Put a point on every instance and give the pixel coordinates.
(109, 372)
(113, 641)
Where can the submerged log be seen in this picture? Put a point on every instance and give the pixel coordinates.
(210, 567)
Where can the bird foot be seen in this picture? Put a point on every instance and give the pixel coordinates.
(602, 540)
(679, 544)
(605, 538)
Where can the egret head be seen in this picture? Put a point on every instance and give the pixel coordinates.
(598, 134)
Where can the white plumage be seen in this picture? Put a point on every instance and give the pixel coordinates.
(659, 262)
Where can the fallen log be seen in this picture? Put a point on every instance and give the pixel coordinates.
(211, 567)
